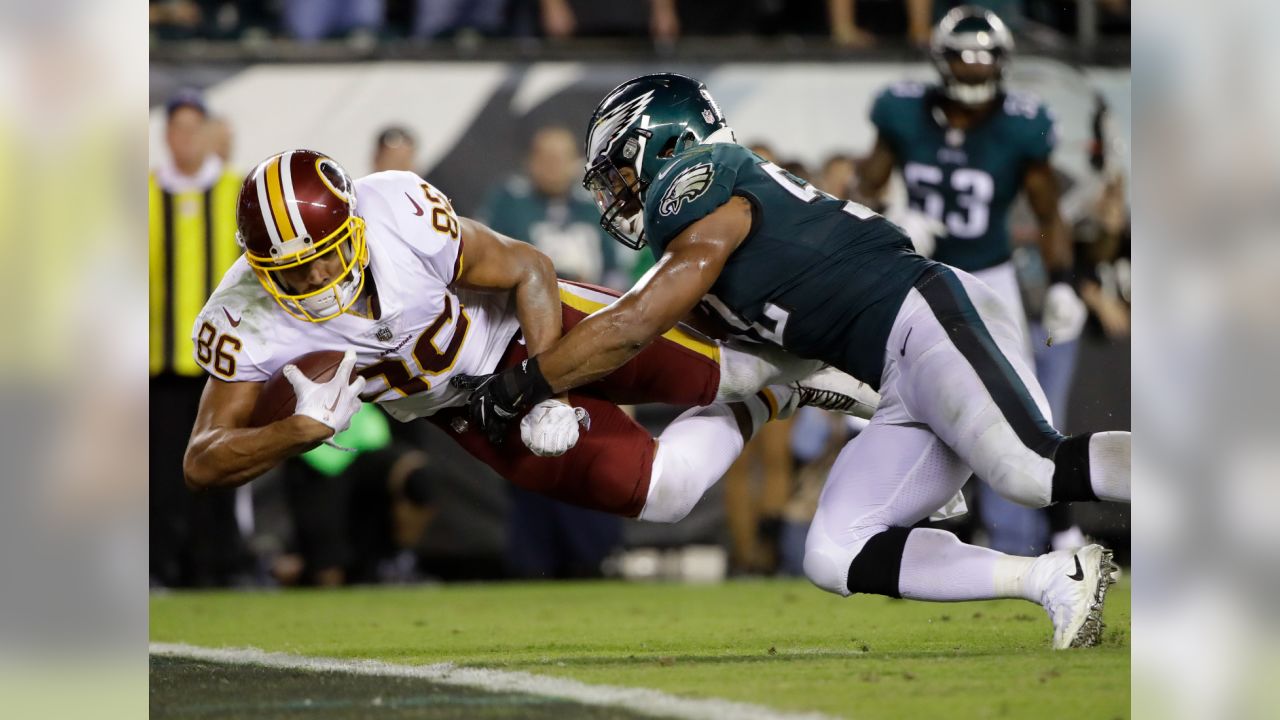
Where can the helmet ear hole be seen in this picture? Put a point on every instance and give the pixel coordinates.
(669, 148)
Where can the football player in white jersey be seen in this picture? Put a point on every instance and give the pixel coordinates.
(384, 270)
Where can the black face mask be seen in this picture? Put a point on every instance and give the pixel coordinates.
(619, 202)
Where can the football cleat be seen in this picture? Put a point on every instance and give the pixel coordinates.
(1075, 584)
(831, 389)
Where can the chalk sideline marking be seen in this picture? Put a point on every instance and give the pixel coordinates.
(639, 700)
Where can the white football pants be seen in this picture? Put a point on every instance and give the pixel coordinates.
(957, 396)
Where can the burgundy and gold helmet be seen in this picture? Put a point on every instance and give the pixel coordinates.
(294, 209)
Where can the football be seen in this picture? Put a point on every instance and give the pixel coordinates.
(277, 401)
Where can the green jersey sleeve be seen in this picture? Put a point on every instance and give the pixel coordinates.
(889, 112)
(691, 188)
(1039, 133)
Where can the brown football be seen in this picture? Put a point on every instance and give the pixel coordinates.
(277, 401)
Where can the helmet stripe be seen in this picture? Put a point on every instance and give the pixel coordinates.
(264, 205)
(275, 193)
(291, 200)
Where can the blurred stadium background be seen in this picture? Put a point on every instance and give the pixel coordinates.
(478, 97)
(488, 100)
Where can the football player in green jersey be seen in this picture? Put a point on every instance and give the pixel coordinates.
(789, 266)
(965, 148)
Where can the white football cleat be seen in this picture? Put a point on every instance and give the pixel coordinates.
(1075, 586)
(831, 389)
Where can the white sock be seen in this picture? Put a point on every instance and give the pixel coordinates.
(1109, 457)
(743, 374)
(937, 566)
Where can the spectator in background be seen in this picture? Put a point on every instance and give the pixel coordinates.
(313, 20)
(195, 538)
(839, 175)
(441, 18)
(395, 149)
(221, 137)
(561, 19)
(548, 208)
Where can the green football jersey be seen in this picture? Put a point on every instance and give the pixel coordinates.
(819, 276)
(967, 180)
(566, 229)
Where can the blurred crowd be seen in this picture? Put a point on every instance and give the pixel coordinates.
(850, 23)
(409, 505)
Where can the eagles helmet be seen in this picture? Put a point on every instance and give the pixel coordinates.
(969, 48)
(632, 134)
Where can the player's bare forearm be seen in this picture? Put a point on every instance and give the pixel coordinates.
(609, 338)
(229, 457)
(497, 262)
(598, 345)
(224, 452)
(1042, 195)
(873, 173)
(538, 304)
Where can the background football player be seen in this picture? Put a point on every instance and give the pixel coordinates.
(965, 147)
(377, 267)
(785, 264)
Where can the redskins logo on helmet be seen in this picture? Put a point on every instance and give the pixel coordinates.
(295, 209)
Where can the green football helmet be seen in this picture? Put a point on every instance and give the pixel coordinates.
(638, 127)
(974, 41)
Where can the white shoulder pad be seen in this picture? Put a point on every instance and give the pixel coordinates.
(420, 215)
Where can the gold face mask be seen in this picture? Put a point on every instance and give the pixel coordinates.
(338, 294)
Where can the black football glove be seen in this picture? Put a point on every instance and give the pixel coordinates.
(499, 399)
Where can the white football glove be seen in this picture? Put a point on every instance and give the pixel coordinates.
(332, 403)
(922, 229)
(1064, 313)
(550, 429)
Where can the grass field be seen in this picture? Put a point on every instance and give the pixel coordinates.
(777, 643)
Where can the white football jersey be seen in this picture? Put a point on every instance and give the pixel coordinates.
(426, 332)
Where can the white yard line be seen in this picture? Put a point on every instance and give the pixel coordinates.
(640, 700)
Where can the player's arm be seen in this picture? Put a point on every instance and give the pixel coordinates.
(224, 452)
(1064, 312)
(610, 337)
(496, 262)
(874, 172)
(1041, 186)
(685, 273)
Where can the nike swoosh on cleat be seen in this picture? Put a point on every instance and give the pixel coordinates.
(234, 322)
(417, 209)
(903, 352)
(1079, 570)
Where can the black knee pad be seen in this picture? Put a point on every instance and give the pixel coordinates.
(875, 569)
(1071, 480)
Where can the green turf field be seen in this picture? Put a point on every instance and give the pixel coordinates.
(778, 643)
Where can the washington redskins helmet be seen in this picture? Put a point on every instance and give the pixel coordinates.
(295, 208)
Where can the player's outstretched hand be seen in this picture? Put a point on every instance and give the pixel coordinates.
(332, 403)
(497, 400)
(550, 429)
(1064, 313)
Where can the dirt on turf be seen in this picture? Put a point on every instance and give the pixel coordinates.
(184, 688)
